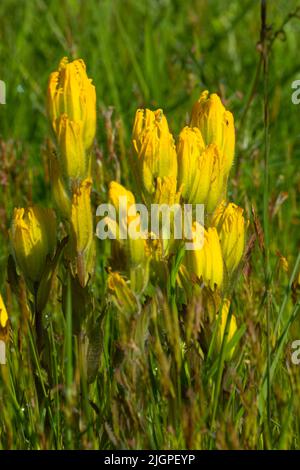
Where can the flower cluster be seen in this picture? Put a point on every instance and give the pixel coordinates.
(192, 171)
(195, 171)
(72, 113)
(34, 232)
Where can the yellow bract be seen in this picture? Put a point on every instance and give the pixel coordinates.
(60, 194)
(4, 331)
(189, 148)
(120, 197)
(221, 328)
(82, 247)
(33, 237)
(205, 261)
(81, 216)
(71, 92)
(216, 125)
(3, 315)
(200, 170)
(230, 223)
(69, 137)
(166, 191)
(123, 201)
(155, 148)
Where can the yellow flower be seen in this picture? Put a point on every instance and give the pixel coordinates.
(190, 147)
(33, 237)
(69, 137)
(205, 259)
(221, 328)
(120, 197)
(82, 232)
(200, 170)
(230, 223)
(60, 194)
(124, 203)
(166, 191)
(81, 215)
(3, 331)
(122, 200)
(71, 92)
(3, 316)
(216, 125)
(155, 148)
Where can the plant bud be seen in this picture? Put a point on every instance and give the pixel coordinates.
(216, 126)
(33, 237)
(230, 223)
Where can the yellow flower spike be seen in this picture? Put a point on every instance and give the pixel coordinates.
(216, 125)
(81, 216)
(3, 331)
(3, 317)
(216, 188)
(135, 246)
(190, 147)
(69, 137)
(82, 232)
(33, 237)
(206, 261)
(166, 191)
(71, 92)
(221, 329)
(117, 194)
(122, 200)
(144, 119)
(155, 148)
(60, 194)
(230, 223)
(201, 171)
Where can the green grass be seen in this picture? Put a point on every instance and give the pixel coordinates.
(153, 386)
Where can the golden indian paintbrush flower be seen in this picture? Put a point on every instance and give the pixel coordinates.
(124, 203)
(71, 92)
(230, 223)
(132, 242)
(221, 329)
(120, 197)
(33, 237)
(200, 170)
(166, 191)
(60, 194)
(216, 125)
(3, 331)
(3, 320)
(82, 233)
(189, 148)
(69, 136)
(155, 148)
(205, 260)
